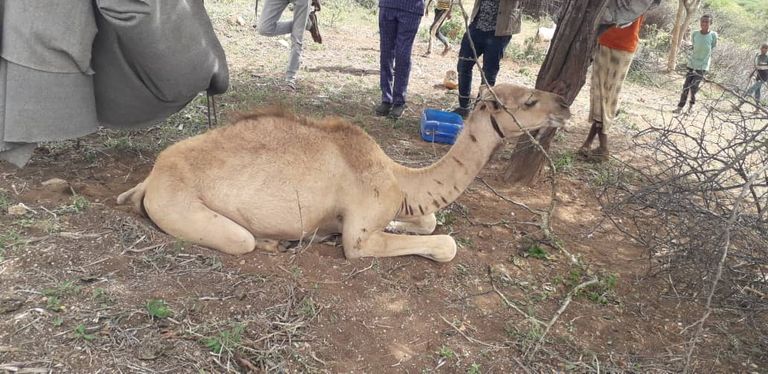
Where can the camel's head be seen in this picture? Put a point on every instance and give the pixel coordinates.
(532, 109)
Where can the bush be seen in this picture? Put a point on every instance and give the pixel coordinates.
(736, 23)
(368, 4)
(651, 55)
(731, 64)
(531, 51)
(660, 18)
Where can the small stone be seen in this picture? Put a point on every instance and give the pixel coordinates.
(56, 185)
(500, 271)
(240, 21)
(10, 304)
(17, 210)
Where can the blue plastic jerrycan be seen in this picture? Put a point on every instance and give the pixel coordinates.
(440, 127)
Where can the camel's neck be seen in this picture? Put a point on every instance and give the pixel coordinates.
(428, 189)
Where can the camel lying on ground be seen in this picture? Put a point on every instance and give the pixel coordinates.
(272, 176)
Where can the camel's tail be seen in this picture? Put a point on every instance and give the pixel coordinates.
(136, 196)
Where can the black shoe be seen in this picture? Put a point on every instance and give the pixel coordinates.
(314, 28)
(463, 112)
(397, 111)
(383, 109)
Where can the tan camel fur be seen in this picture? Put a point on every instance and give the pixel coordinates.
(271, 176)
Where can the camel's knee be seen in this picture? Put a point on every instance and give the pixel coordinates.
(362, 245)
(237, 246)
(444, 252)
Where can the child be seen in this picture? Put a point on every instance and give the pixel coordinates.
(761, 74)
(442, 12)
(703, 42)
(270, 25)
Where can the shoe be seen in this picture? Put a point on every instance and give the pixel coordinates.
(678, 110)
(598, 156)
(397, 111)
(383, 109)
(290, 85)
(463, 112)
(584, 153)
(313, 28)
(446, 50)
(690, 109)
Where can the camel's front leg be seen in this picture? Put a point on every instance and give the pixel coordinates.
(422, 225)
(441, 248)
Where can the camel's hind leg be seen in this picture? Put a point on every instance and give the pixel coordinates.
(194, 222)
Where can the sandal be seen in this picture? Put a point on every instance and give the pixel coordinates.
(314, 29)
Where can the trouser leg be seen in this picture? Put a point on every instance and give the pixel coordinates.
(387, 37)
(298, 26)
(492, 56)
(686, 88)
(440, 15)
(269, 23)
(467, 62)
(696, 83)
(407, 28)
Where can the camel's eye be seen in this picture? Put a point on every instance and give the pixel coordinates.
(531, 102)
(495, 105)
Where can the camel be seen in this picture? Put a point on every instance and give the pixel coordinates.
(271, 176)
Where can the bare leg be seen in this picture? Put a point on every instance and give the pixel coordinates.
(601, 154)
(585, 148)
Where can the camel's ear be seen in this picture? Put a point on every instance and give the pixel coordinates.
(486, 96)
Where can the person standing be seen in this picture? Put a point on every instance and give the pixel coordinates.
(615, 50)
(398, 24)
(704, 41)
(442, 13)
(492, 24)
(270, 25)
(761, 75)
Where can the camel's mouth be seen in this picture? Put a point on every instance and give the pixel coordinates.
(557, 120)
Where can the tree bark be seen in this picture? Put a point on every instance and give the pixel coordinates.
(563, 72)
(685, 10)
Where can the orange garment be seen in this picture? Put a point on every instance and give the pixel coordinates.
(624, 39)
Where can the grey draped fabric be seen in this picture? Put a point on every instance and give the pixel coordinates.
(622, 12)
(152, 57)
(46, 91)
(60, 79)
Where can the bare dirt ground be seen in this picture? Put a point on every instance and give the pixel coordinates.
(87, 286)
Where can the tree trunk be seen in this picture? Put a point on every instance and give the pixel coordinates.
(563, 72)
(677, 32)
(685, 10)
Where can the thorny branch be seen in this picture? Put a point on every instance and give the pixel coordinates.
(532, 352)
(698, 204)
(545, 215)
